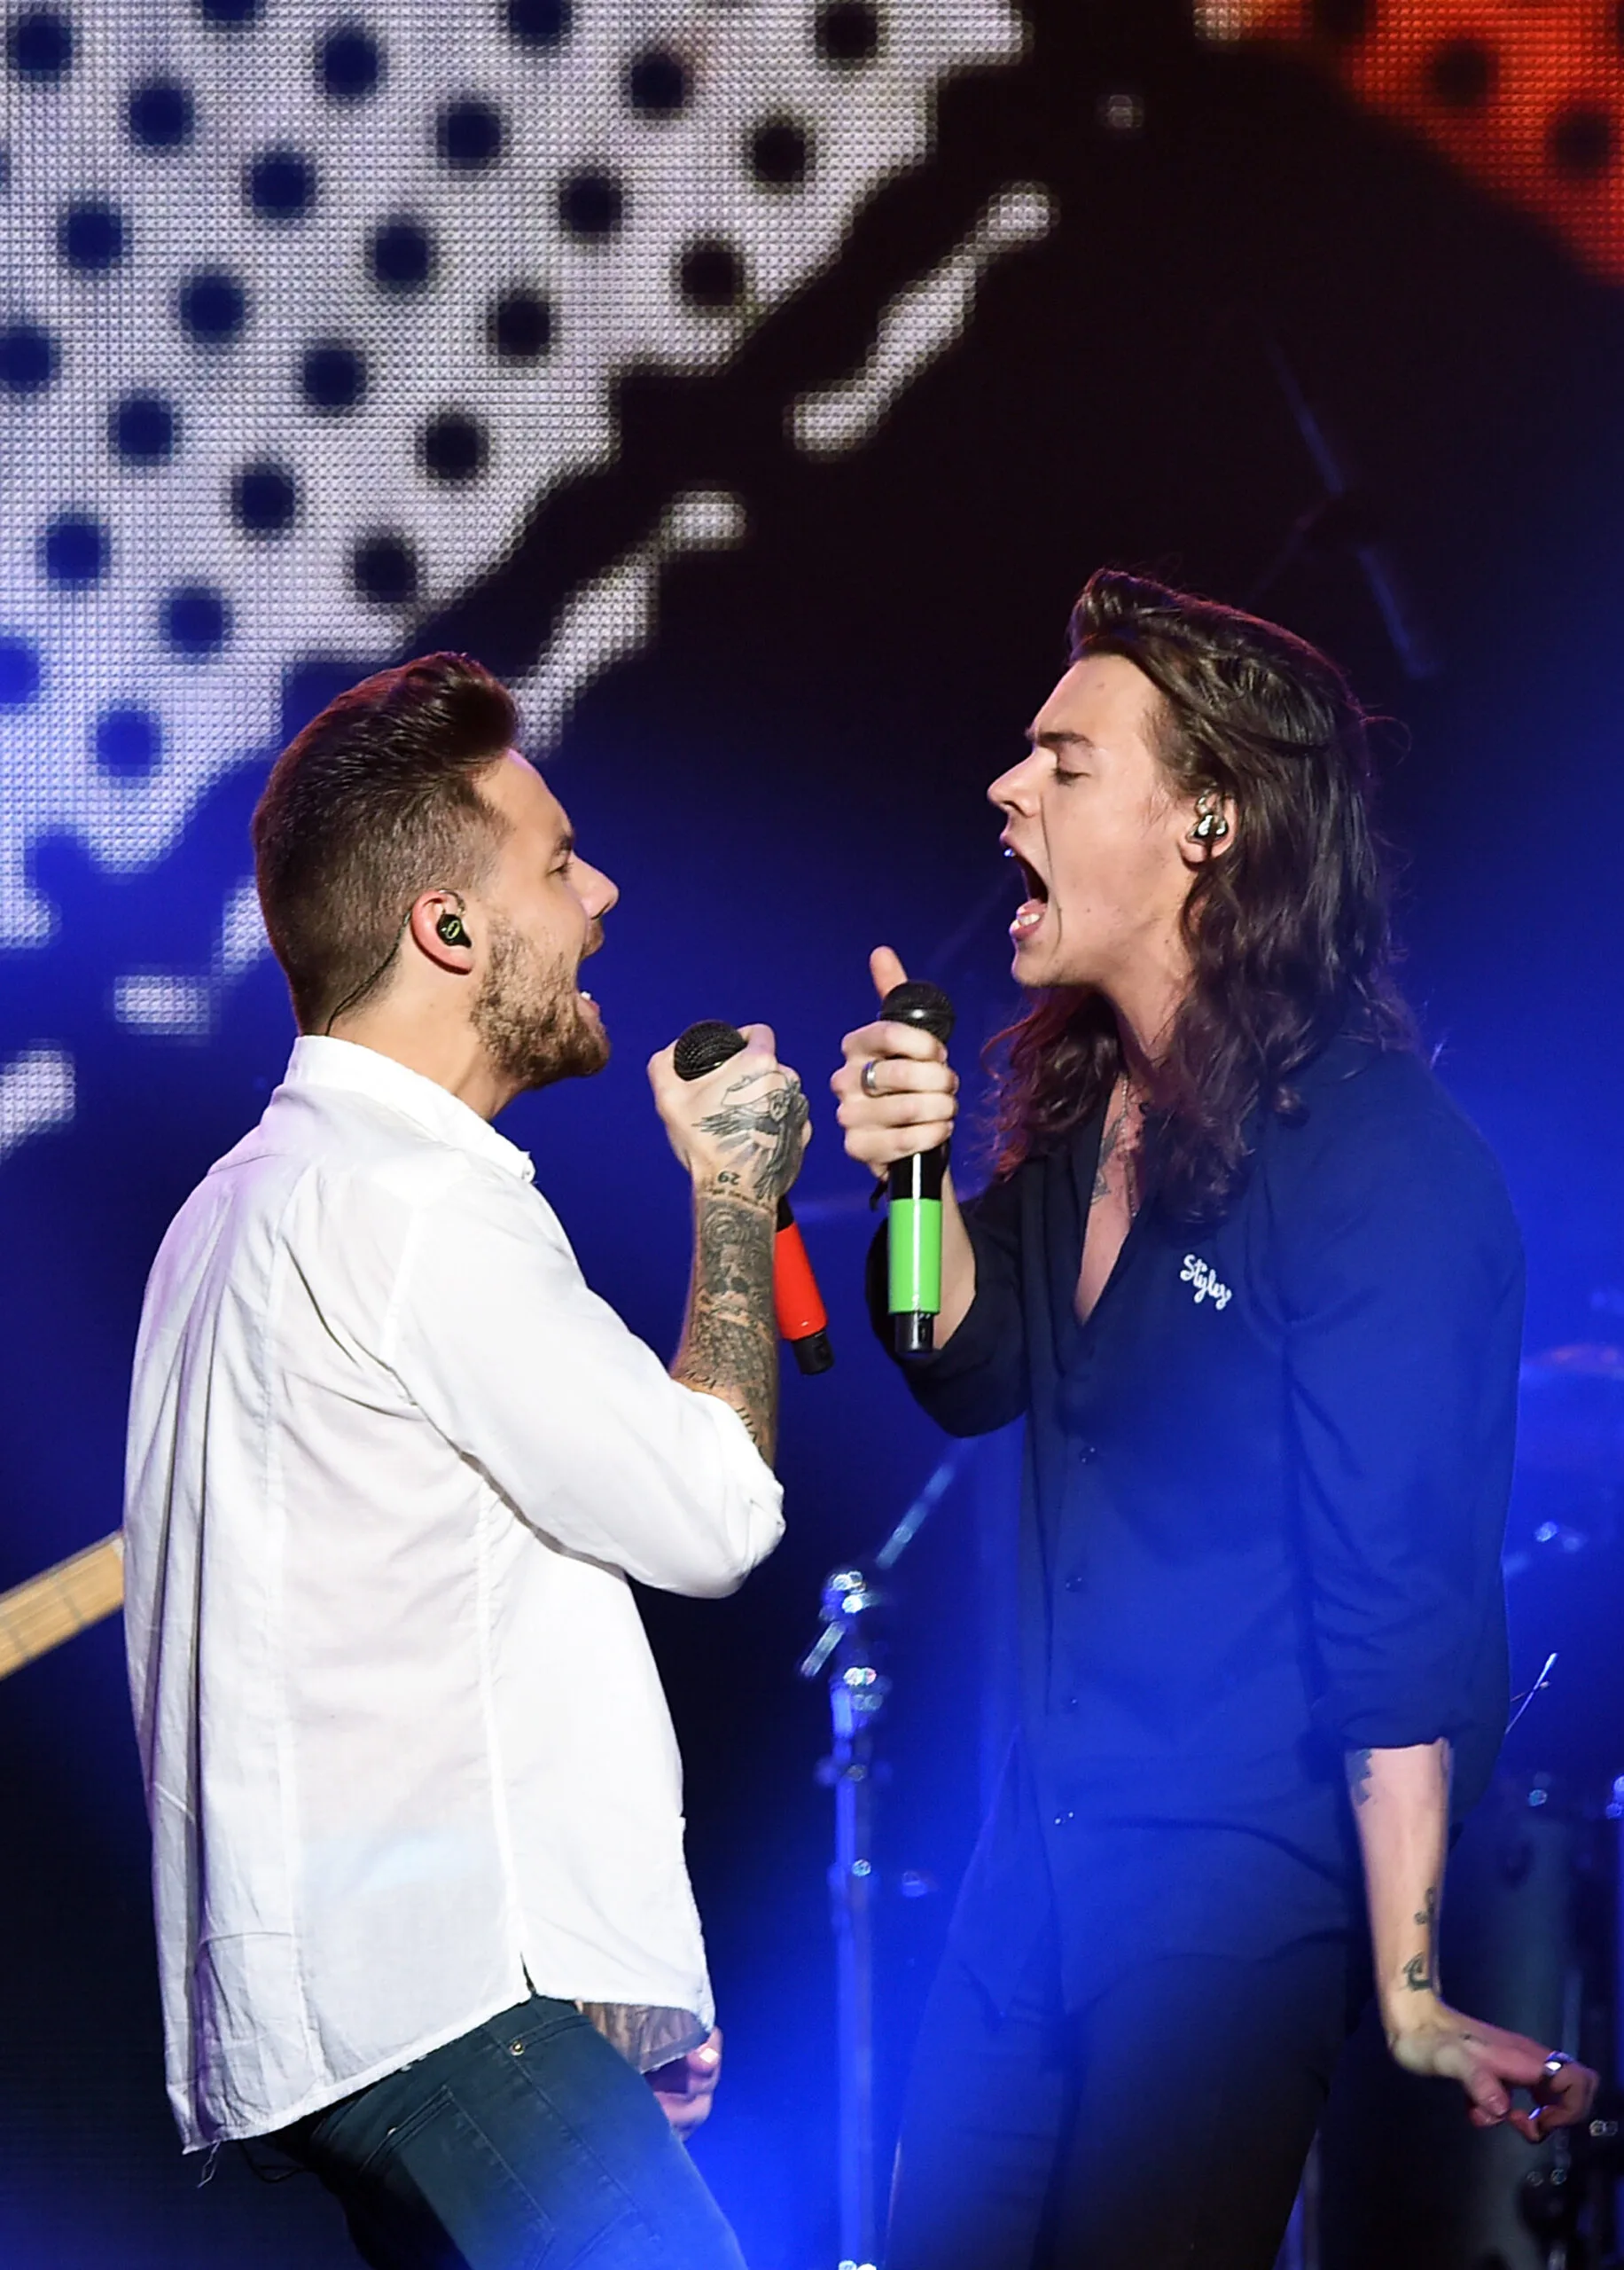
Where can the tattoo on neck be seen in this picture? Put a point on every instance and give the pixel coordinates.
(1115, 1138)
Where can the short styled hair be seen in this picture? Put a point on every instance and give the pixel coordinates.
(376, 801)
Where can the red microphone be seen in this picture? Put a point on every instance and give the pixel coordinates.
(802, 1318)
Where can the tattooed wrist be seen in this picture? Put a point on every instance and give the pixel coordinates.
(728, 1183)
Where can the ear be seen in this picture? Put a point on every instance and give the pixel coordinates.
(1207, 828)
(430, 909)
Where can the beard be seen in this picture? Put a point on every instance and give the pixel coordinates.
(530, 1017)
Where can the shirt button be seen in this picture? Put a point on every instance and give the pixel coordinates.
(1074, 1582)
(1071, 1703)
(1062, 1818)
(1084, 1452)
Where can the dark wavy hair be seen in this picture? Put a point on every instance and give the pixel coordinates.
(1288, 932)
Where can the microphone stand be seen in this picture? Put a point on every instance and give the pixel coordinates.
(857, 1692)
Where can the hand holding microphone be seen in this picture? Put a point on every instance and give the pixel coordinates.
(759, 1130)
(899, 1099)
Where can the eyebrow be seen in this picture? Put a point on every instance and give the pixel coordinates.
(1055, 737)
(565, 848)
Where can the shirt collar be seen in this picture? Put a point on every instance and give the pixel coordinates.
(320, 1061)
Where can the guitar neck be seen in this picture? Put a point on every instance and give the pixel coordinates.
(82, 1590)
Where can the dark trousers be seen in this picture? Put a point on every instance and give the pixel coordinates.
(529, 2144)
(1166, 2123)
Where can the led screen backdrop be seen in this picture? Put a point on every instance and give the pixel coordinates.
(752, 383)
(307, 314)
(1529, 101)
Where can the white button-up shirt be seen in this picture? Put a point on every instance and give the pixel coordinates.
(391, 1464)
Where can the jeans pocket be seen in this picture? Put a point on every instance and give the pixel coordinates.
(399, 2134)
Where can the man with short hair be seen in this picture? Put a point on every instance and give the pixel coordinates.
(414, 1793)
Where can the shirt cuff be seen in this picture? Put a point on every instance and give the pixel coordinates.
(743, 1463)
(975, 1342)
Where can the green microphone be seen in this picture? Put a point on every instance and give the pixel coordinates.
(913, 1241)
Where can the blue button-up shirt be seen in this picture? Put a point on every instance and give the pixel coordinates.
(1265, 1494)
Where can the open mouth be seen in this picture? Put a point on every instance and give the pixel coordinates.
(593, 942)
(1029, 914)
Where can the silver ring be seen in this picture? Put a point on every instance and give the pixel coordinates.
(1555, 2062)
(869, 1070)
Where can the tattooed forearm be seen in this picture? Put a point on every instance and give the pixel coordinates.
(730, 1341)
(1401, 1811)
(1418, 1970)
(761, 1134)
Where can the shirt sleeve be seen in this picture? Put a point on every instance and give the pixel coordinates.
(537, 1382)
(1402, 1280)
(978, 1382)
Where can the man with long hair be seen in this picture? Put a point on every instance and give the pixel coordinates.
(422, 1909)
(1256, 1287)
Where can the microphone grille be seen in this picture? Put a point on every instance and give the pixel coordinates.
(704, 1046)
(918, 1004)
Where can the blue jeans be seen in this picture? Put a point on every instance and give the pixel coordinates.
(528, 2144)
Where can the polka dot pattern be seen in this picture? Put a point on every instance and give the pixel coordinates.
(127, 742)
(1523, 97)
(591, 204)
(317, 306)
(709, 274)
(539, 23)
(20, 672)
(160, 114)
(520, 326)
(400, 256)
(40, 45)
(264, 499)
(350, 64)
(212, 306)
(90, 236)
(140, 429)
(469, 136)
(453, 447)
(384, 571)
(1461, 74)
(1582, 141)
(657, 84)
(780, 154)
(74, 550)
(332, 377)
(28, 359)
(279, 185)
(196, 621)
(848, 32)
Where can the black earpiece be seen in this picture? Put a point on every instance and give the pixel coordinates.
(449, 930)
